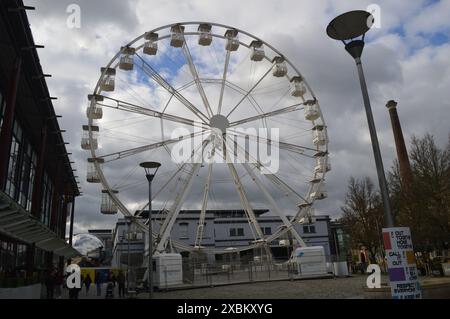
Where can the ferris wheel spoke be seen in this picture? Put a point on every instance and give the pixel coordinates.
(288, 109)
(194, 73)
(134, 151)
(224, 79)
(276, 180)
(201, 222)
(133, 108)
(281, 145)
(249, 92)
(162, 82)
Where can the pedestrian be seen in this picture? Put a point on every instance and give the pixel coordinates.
(87, 283)
(109, 290)
(121, 283)
(50, 283)
(59, 281)
(113, 279)
(73, 292)
(98, 283)
(362, 256)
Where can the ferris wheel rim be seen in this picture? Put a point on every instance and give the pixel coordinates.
(123, 209)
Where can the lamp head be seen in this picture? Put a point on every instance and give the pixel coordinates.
(350, 25)
(150, 168)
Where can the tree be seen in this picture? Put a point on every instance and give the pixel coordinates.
(363, 215)
(425, 207)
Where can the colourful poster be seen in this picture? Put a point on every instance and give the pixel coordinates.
(402, 269)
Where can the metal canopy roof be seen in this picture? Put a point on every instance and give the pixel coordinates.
(17, 223)
(34, 102)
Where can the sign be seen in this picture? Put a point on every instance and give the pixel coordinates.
(402, 269)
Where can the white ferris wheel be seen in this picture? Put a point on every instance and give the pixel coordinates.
(215, 82)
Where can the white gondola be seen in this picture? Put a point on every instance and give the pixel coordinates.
(232, 40)
(126, 61)
(85, 141)
(205, 37)
(108, 207)
(151, 43)
(108, 81)
(257, 53)
(92, 175)
(319, 135)
(322, 165)
(309, 217)
(298, 87)
(279, 67)
(319, 191)
(94, 111)
(312, 111)
(177, 36)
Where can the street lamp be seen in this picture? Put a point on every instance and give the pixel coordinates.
(349, 27)
(150, 171)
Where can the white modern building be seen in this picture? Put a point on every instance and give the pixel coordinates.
(223, 229)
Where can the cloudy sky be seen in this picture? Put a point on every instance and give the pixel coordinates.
(405, 59)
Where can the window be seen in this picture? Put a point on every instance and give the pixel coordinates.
(21, 168)
(47, 196)
(266, 230)
(184, 230)
(236, 232)
(2, 109)
(308, 229)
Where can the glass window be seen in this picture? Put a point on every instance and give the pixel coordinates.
(236, 232)
(47, 196)
(266, 230)
(308, 229)
(21, 169)
(184, 230)
(2, 109)
(11, 182)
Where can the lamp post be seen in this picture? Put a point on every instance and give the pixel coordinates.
(150, 171)
(348, 27)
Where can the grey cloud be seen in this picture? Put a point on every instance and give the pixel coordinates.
(418, 79)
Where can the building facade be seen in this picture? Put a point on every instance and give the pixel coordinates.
(37, 183)
(224, 229)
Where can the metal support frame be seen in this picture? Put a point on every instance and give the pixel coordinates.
(201, 222)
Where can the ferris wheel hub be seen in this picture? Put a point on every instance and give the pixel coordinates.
(219, 122)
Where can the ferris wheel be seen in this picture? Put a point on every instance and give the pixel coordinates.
(217, 84)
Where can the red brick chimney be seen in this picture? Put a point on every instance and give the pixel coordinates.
(402, 153)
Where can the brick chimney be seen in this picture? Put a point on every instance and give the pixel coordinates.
(402, 153)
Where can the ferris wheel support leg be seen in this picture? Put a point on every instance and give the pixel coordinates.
(175, 210)
(201, 223)
(247, 207)
(274, 205)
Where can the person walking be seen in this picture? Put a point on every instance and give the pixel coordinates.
(121, 283)
(59, 281)
(50, 283)
(113, 279)
(362, 256)
(98, 283)
(87, 283)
